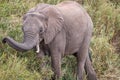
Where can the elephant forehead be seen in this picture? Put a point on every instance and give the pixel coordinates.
(31, 26)
(32, 22)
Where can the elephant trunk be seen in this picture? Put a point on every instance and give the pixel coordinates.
(28, 43)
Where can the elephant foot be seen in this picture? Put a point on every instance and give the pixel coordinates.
(91, 77)
(55, 77)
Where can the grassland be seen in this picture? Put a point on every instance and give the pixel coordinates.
(105, 43)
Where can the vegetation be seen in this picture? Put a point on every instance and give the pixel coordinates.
(105, 43)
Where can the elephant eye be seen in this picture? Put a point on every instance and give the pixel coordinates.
(41, 29)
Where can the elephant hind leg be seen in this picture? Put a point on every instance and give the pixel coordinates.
(82, 55)
(84, 62)
(91, 75)
(81, 58)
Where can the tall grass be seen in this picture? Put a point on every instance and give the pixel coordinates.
(106, 19)
(105, 43)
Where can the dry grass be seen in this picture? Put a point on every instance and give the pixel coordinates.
(24, 66)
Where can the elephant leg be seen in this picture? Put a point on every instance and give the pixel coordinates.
(57, 49)
(41, 56)
(81, 58)
(91, 75)
(43, 62)
(56, 65)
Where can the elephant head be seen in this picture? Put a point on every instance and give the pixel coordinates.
(37, 26)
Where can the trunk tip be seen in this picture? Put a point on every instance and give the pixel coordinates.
(4, 40)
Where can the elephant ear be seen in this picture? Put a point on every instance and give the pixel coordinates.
(54, 24)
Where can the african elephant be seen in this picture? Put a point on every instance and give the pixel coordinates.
(62, 29)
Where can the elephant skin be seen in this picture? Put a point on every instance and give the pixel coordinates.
(60, 30)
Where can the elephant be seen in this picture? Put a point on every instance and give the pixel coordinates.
(61, 30)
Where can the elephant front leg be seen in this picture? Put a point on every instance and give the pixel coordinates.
(56, 65)
(41, 56)
(57, 49)
(43, 62)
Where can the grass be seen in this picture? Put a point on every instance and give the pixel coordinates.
(105, 43)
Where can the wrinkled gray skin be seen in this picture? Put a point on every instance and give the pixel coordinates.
(61, 30)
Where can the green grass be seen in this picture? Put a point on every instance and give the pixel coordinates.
(105, 43)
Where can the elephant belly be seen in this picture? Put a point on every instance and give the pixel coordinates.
(73, 43)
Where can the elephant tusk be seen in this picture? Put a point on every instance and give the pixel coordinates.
(38, 48)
